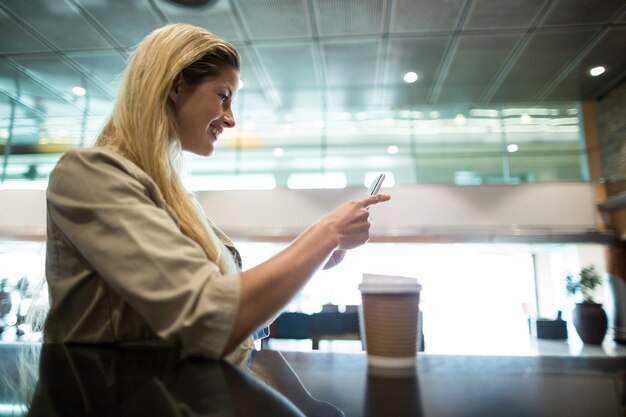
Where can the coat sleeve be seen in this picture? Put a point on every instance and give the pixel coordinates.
(108, 210)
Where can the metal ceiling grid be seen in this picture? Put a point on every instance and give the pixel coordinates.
(410, 16)
(351, 63)
(105, 66)
(545, 54)
(59, 23)
(475, 65)
(422, 55)
(271, 19)
(292, 50)
(216, 17)
(349, 18)
(491, 15)
(577, 82)
(582, 12)
(291, 66)
(127, 21)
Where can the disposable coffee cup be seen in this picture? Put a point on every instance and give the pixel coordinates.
(389, 320)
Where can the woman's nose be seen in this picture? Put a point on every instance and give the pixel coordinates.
(229, 118)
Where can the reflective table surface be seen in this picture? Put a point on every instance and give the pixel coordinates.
(57, 380)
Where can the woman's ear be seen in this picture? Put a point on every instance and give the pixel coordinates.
(176, 87)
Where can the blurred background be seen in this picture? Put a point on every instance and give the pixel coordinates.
(516, 106)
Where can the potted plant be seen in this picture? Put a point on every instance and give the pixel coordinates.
(590, 319)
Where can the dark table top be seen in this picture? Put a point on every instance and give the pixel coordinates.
(57, 380)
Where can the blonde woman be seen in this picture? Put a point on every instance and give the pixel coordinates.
(131, 258)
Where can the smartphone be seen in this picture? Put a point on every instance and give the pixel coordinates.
(375, 187)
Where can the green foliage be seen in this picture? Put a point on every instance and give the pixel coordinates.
(584, 283)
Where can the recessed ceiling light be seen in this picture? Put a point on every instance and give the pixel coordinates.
(460, 119)
(526, 118)
(392, 150)
(79, 91)
(410, 77)
(278, 152)
(512, 148)
(594, 72)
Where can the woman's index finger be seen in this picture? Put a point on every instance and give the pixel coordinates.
(375, 199)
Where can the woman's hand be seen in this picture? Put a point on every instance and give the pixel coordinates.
(350, 221)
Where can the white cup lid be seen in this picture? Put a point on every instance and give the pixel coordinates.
(375, 283)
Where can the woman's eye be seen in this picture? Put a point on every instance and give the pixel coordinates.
(223, 97)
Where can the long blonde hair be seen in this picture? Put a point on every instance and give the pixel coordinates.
(143, 127)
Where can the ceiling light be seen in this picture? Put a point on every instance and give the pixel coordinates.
(512, 148)
(388, 122)
(410, 77)
(4, 133)
(361, 115)
(278, 152)
(392, 150)
(240, 86)
(594, 72)
(460, 119)
(79, 91)
(525, 118)
(434, 114)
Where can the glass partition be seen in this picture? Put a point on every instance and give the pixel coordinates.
(463, 145)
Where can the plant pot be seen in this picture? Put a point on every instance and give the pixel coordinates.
(590, 321)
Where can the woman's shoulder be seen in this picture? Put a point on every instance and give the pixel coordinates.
(93, 155)
(91, 160)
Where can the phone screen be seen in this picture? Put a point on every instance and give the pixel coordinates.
(375, 187)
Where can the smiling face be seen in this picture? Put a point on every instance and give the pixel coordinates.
(203, 110)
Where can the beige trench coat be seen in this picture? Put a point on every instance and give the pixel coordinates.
(119, 269)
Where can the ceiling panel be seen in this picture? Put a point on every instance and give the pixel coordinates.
(300, 98)
(475, 65)
(20, 86)
(250, 99)
(290, 65)
(217, 17)
(492, 14)
(328, 53)
(275, 18)
(425, 15)
(248, 72)
(56, 73)
(14, 38)
(105, 66)
(544, 56)
(355, 98)
(421, 55)
(579, 83)
(59, 22)
(128, 21)
(344, 17)
(578, 12)
(351, 63)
